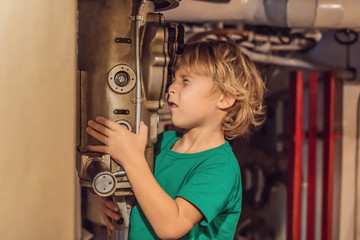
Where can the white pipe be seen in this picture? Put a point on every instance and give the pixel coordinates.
(296, 63)
(276, 60)
(199, 11)
(138, 20)
(267, 47)
(313, 34)
(284, 13)
(339, 14)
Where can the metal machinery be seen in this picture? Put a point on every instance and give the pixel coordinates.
(125, 54)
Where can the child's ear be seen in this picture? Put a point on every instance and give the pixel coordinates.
(225, 101)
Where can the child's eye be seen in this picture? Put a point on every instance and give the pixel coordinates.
(185, 81)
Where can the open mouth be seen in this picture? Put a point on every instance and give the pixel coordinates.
(172, 105)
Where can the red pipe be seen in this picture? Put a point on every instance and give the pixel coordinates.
(311, 194)
(295, 155)
(327, 193)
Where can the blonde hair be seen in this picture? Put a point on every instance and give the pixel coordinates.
(235, 75)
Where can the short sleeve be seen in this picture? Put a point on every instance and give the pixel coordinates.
(209, 188)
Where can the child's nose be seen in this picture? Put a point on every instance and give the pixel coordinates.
(171, 89)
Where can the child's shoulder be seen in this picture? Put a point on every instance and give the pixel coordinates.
(165, 138)
(222, 155)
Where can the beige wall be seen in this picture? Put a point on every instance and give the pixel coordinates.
(37, 119)
(347, 194)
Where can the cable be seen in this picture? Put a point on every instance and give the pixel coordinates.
(347, 37)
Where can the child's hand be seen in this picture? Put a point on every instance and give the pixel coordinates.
(122, 145)
(109, 210)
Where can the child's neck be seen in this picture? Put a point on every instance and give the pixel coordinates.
(198, 140)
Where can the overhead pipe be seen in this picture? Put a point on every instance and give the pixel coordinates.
(281, 13)
(296, 63)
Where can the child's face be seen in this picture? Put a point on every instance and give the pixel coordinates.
(193, 100)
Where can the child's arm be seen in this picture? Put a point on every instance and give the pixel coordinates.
(169, 218)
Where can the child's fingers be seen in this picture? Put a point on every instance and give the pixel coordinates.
(106, 122)
(100, 128)
(98, 148)
(111, 214)
(96, 135)
(108, 223)
(143, 129)
(110, 204)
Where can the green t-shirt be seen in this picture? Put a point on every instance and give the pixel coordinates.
(210, 180)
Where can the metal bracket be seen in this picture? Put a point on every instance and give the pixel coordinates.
(137, 17)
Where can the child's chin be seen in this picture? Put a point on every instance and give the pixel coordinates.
(177, 124)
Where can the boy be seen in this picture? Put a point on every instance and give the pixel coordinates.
(195, 192)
